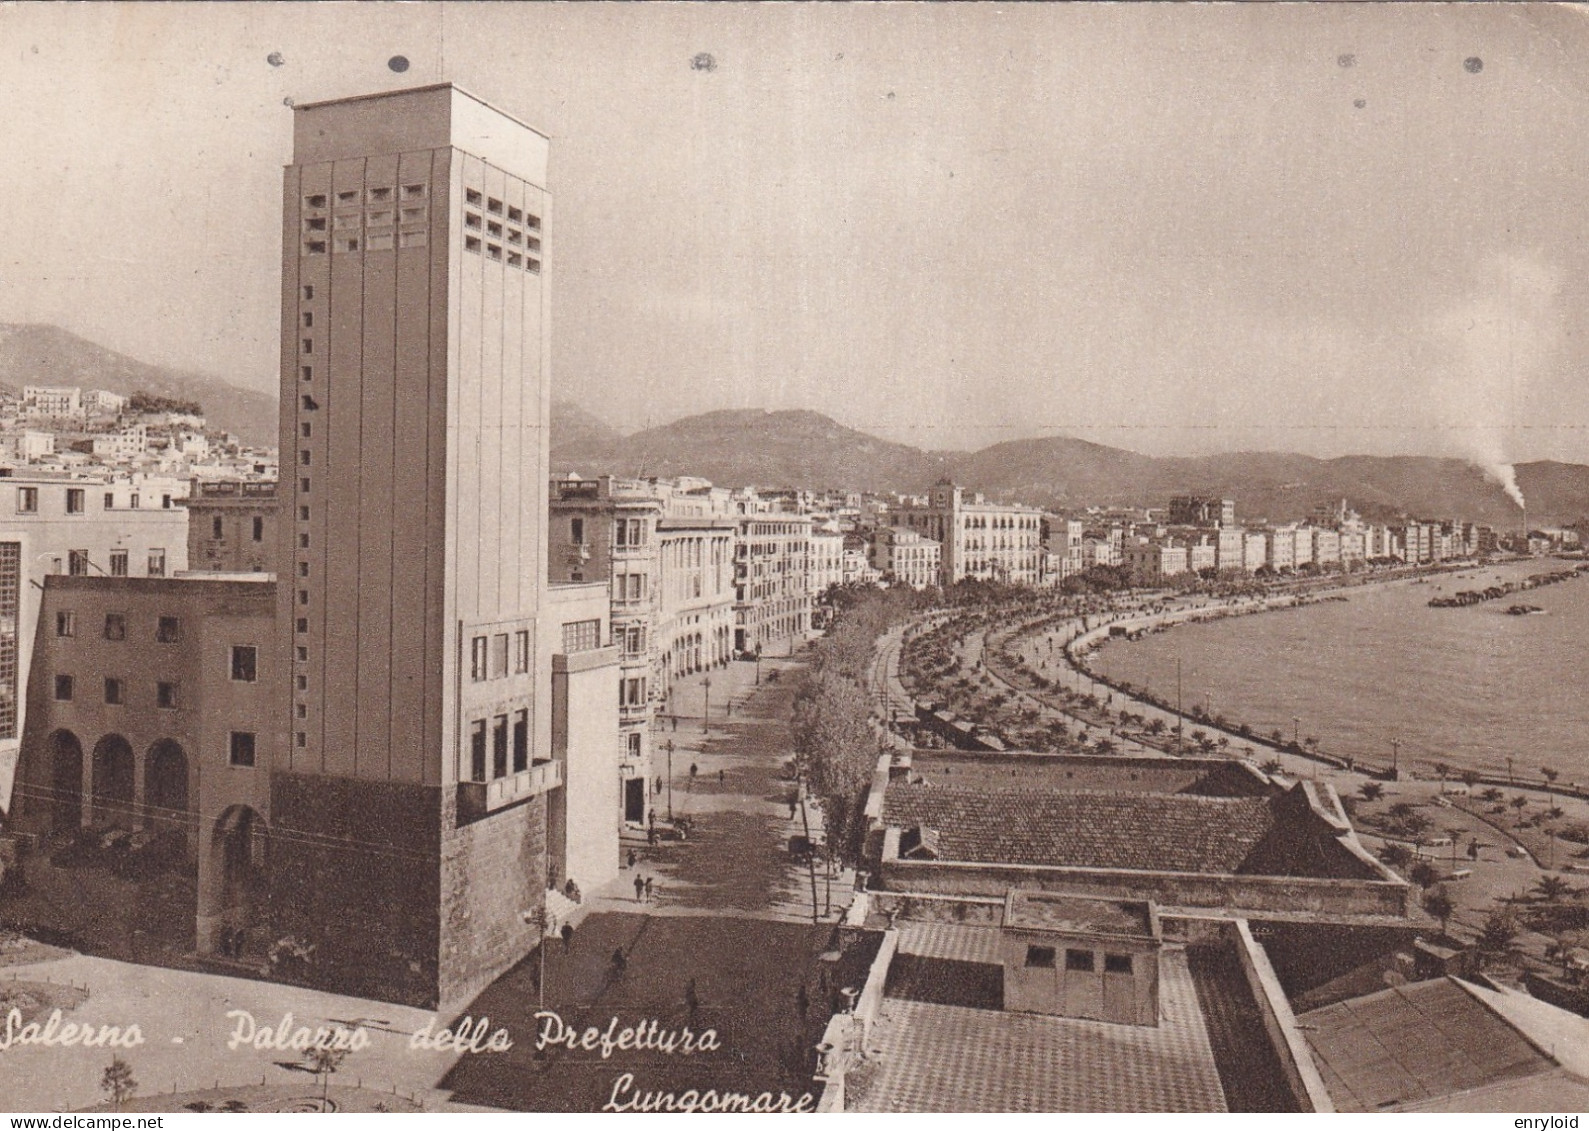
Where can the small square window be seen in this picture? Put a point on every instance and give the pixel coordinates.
(114, 691)
(315, 200)
(242, 748)
(303, 626)
(494, 205)
(515, 259)
(115, 626)
(348, 222)
(304, 485)
(74, 500)
(532, 243)
(494, 251)
(245, 663)
(533, 266)
(351, 196)
(27, 500)
(315, 224)
(470, 243)
(63, 688)
(1040, 958)
(308, 318)
(303, 514)
(157, 562)
(470, 220)
(494, 230)
(308, 290)
(472, 196)
(118, 561)
(380, 219)
(411, 239)
(303, 683)
(379, 241)
(301, 710)
(168, 630)
(303, 541)
(303, 456)
(533, 222)
(1117, 964)
(165, 695)
(308, 372)
(380, 195)
(515, 214)
(77, 563)
(303, 654)
(1078, 960)
(347, 243)
(309, 403)
(65, 624)
(303, 569)
(412, 215)
(308, 345)
(303, 596)
(515, 236)
(304, 428)
(301, 739)
(414, 192)
(314, 247)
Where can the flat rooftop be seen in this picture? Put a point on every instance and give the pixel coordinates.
(929, 1058)
(1049, 911)
(1210, 777)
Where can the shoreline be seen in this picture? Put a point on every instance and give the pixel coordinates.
(1081, 646)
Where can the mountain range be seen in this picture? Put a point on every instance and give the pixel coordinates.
(39, 354)
(807, 449)
(797, 448)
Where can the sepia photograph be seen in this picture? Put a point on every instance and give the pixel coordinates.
(790, 557)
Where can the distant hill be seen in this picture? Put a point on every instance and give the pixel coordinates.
(795, 448)
(755, 447)
(38, 354)
(575, 427)
(798, 448)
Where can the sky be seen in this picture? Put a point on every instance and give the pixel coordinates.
(1180, 229)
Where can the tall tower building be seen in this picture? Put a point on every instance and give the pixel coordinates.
(411, 797)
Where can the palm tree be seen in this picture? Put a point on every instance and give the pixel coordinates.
(1470, 778)
(1444, 770)
(1492, 794)
(1519, 803)
(118, 1081)
(1438, 902)
(1552, 889)
(1550, 774)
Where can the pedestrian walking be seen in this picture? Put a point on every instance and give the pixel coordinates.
(659, 784)
(619, 962)
(722, 776)
(632, 858)
(694, 769)
(692, 1000)
(639, 889)
(568, 936)
(802, 1001)
(648, 889)
(794, 803)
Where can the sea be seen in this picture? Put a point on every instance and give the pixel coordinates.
(1472, 687)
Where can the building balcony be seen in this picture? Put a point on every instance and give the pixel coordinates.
(478, 798)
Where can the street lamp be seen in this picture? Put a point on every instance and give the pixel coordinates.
(1395, 759)
(758, 664)
(1296, 732)
(668, 746)
(706, 712)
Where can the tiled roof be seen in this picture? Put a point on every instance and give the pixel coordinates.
(1413, 1044)
(1145, 832)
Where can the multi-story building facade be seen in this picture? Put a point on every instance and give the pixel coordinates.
(50, 401)
(1200, 510)
(1230, 549)
(987, 541)
(232, 526)
(772, 597)
(1326, 546)
(79, 527)
(414, 594)
(1062, 544)
(1280, 548)
(1254, 550)
(827, 559)
(905, 554)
